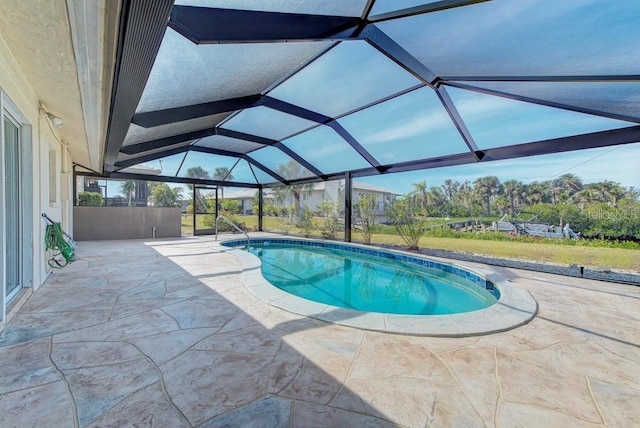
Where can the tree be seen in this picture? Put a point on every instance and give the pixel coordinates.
(420, 190)
(450, 188)
(220, 173)
(292, 169)
(487, 187)
(128, 187)
(513, 191)
(437, 200)
(585, 197)
(535, 193)
(570, 183)
(609, 192)
(197, 172)
(165, 196)
(502, 205)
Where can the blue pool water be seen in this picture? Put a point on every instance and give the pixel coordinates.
(375, 282)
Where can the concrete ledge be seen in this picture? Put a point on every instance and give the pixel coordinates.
(573, 270)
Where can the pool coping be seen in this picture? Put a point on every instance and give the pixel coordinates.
(515, 307)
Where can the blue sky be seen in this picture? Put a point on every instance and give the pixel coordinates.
(527, 37)
(620, 164)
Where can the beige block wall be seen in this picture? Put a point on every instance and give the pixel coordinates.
(104, 223)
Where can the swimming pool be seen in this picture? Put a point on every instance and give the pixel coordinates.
(491, 305)
(351, 278)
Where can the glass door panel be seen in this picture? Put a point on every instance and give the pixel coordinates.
(12, 206)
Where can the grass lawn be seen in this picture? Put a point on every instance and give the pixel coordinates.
(614, 258)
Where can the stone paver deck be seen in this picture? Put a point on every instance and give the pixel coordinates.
(163, 333)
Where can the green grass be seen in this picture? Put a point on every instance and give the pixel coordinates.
(595, 257)
(614, 258)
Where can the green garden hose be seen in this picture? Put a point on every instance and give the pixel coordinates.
(59, 252)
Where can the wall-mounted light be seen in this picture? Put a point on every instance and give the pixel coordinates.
(56, 121)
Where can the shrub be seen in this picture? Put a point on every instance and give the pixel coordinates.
(90, 199)
(365, 216)
(209, 222)
(330, 222)
(232, 206)
(409, 227)
(304, 221)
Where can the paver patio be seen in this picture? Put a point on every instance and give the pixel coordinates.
(163, 333)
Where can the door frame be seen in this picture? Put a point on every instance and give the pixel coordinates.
(10, 110)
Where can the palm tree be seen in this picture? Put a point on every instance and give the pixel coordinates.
(221, 173)
(554, 187)
(128, 187)
(437, 198)
(292, 169)
(450, 188)
(564, 187)
(609, 192)
(570, 183)
(585, 197)
(197, 172)
(487, 187)
(421, 191)
(502, 204)
(535, 193)
(513, 191)
(165, 196)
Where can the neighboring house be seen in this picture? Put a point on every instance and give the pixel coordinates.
(247, 197)
(326, 191)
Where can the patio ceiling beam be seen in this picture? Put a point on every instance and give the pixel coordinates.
(246, 137)
(453, 113)
(149, 157)
(336, 126)
(142, 27)
(294, 110)
(180, 180)
(542, 102)
(302, 161)
(419, 10)
(320, 119)
(210, 150)
(204, 25)
(266, 170)
(592, 140)
(621, 78)
(134, 149)
(179, 114)
(392, 50)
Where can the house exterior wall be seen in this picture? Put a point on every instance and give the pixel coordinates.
(40, 195)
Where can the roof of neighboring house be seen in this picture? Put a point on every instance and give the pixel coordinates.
(268, 193)
(371, 188)
(245, 194)
(142, 169)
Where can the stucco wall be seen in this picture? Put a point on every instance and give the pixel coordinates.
(102, 223)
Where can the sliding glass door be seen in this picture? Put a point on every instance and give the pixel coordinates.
(12, 193)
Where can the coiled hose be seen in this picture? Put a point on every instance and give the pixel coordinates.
(59, 252)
